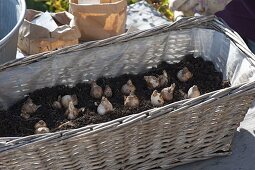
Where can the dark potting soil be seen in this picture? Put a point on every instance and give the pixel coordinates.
(12, 124)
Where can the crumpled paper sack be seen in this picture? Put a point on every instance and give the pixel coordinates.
(41, 32)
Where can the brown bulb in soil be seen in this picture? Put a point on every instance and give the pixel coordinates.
(28, 108)
(157, 99)
(104, 107)
(128, 88)
(72, 112)
(163, 79)
(108, 91)
(193, 92)
(96, 91)
(184, 74)
(167, 93)
(41, 127)
(65, 100)
(57, 104)
(131, 101)
(152, 82)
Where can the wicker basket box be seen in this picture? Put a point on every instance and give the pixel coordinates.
(160, 138)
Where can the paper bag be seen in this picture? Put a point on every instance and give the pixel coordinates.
(99, 21)
(36, 37)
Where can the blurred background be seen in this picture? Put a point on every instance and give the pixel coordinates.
(62, 5)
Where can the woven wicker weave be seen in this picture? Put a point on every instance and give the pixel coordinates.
(160, 138)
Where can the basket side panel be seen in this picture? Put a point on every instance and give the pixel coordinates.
(80, 65)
